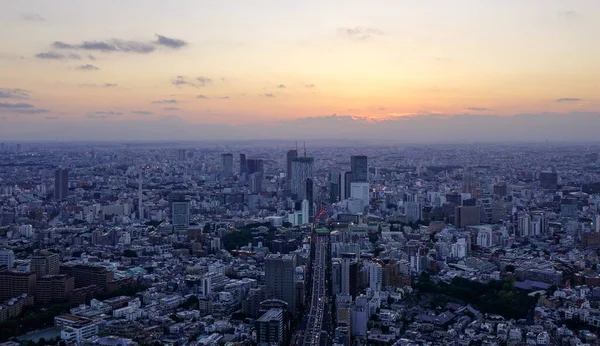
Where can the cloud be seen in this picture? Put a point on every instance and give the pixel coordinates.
(105, 85)
(142, 112)
(6, 105)
(203, 80)
(3, 118)
(224, 97)
(51, 118)
(109, 46)
(195, 82)
(170, 42)
(359, 33)
(201, 97)
(21, 108)
(165, 101)
(281, 86)
(33, 17)
(269, 95)
(87, 67)
(568, 99)
(310, 85)
(14, 93)
(96, 116)
(478, 109)
(381, 108)
(172, 109)
(106, 113)
(57, 56)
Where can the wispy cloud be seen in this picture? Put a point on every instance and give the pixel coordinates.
(51, 118)
(359, 33)
(165, 101)
(32, 17)
(170, 42)
(172, 109)
(310, 85)
(21, 108)
(568, 99)
(105, 85)
(193, 82)
(142, 112)
(224, 97)
(268, 95)
(87, 67)
(106, 113)
(57, 56)
(478, 109)
(201, 97)
(281, 86)
(123, 46)
(14, 93)
(96, 116)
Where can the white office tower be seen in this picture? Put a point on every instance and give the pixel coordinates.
(484, 237)
(360, 190)
(305, 211)
(360, 316)
(459, 249)
(524, 223)
(375, 276)
(7, 257)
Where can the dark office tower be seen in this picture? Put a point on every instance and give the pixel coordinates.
(243, 166)
(181, 154)
(18, 148)
(334, 187)
(360, 166)
(254, 166)
(500, 189)
(347, 186)
(309, 196)
(302, 169)
(61, 184)
(290, 156)
(548, 180)
(270, 328)
(280, 278)
(226, 164)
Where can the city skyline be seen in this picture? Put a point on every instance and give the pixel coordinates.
(148, 70)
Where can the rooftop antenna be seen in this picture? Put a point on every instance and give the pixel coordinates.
(304, 149)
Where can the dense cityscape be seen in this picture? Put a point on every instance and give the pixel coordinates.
(283, 243)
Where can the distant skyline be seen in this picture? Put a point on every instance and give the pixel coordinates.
(262, 69)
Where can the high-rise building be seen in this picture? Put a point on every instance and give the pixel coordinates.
(243, 166)
(309, 195)
(87, 275)
(181, 155)
(270, 328)
(256, 182)
(254, 166)
(61, 184)
(280, 278)
(181, 214)
(45, 263)
(359, 164)
(13, 284)
(348, 179)
(226, 165)
(54, 288)
(7, 258)
(302, 169)
(467, 216)
(413, 211)
(349, 274)
(360, 190)
(548, 180)
(289, 157)
(334, 187)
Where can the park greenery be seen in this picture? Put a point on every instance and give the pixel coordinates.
(495, 297)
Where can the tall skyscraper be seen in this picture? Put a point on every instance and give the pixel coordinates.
(181, 214)
(280, 278)
(256, 182)
(334, 187)
(302, 169)
(226, 165)
(290, 156)
(309, 195)
(348, 179)
(360, 166)
(349, 275)
(243, 166)
(181, 155)
(254, 166)
(61, 184)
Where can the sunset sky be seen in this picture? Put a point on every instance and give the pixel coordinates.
(260, 61)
